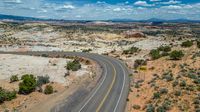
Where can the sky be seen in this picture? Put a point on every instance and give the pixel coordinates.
(103, 9)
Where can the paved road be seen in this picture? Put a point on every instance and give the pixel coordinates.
(110, 93)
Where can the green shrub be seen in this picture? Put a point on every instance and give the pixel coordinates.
(183, 83)
(197, 81)
(187, 43)
(198, 44)
(175, 83)
(196, 101)
(86, 50)
(150, 108)
(14, 78)
(28, 84)
(7, 95)
(44, 55)
(42, 80)
(197, 110)
(48, 89)
(163, 91)
(131, 50)
(139, 62)
(177, 93)
(137, 107)
(10, 95)
(192, 75)
(74, 65)
(164, 48)
(168, 76)
(176, 55)
(137, 85)
(166, 104)
(155, 54)
(156, 95)
(190, 88)
(160, 109)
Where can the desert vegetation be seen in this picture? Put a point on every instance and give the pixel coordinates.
(163, 60)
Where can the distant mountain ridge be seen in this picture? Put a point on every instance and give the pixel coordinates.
(19, 18)
(22, 18)
(154, 20)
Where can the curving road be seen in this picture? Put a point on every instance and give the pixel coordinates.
(111, 91)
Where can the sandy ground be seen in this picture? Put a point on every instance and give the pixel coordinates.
(143, 95)
(40, 66)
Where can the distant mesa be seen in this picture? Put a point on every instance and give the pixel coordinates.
(134, 34)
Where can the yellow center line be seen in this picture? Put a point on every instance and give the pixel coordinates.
(109, 90)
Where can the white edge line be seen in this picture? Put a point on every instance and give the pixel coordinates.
(122, 88)
(95, 91)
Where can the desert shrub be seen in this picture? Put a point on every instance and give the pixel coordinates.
(198, 44)
(155, 54)
(187, 43)
(164, 48)
(177, 93)
(168, 76)
(131, 50)
(196, 106)
(196, 101)
(42, 80)
(48, 89)
(176, 55)
(190, 88)
(137, 85)
(137, 107)
(26, 76)
(28, 84)
(130, 75)
(127, 99)
(175, 83)
(183, 83)
(150, 108)
(163, 91)
(156, 95)
(197, 110)
(139, 62)
(192, 75)
(74, 65)
(14, 78)
(86, 50)
(44, 55)
(197, 54)
(197, 81)
(166, 104)
(6, 95)
(160, 109)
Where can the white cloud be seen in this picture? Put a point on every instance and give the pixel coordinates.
(100, 2)
(117, 9)
(78, 16)
(155, 0)
(68, 6)
(13, 1)
(171, 2)
(142, 3)
(172, 7)
(127, 2)
(95, 11)
(42, 11)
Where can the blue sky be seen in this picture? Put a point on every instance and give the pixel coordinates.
(103, 9)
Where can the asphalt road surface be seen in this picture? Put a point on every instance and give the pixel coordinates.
(111, 91)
